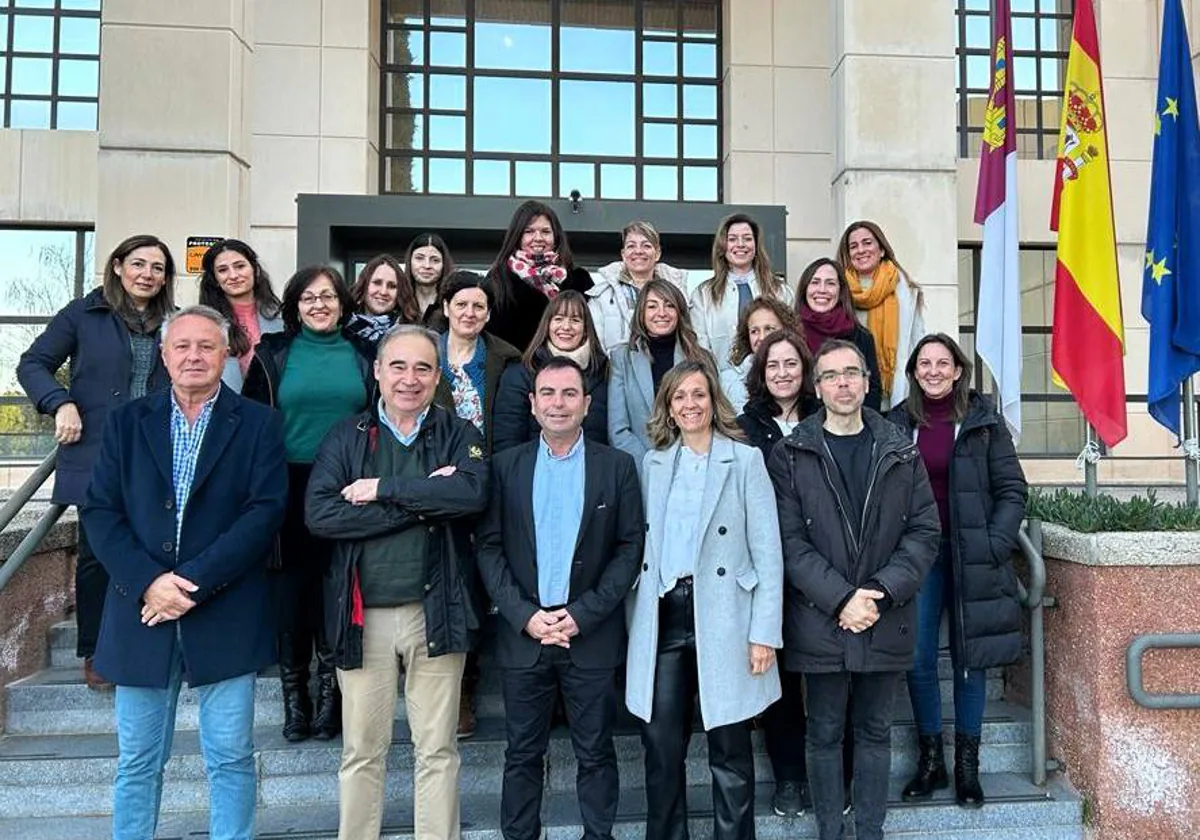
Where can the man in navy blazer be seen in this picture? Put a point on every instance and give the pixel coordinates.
(559, 549)
(187, 495)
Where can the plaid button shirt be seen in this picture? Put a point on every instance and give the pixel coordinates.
(185, 452)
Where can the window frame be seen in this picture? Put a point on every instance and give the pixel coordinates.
(56, 56)
(555, 158)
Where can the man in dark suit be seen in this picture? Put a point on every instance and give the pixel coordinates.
(187, 495)
(559, 548)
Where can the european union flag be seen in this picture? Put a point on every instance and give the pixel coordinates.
(1171, 282)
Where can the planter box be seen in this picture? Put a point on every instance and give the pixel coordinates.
(1138, 769)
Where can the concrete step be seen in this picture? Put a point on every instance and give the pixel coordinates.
(56, 701)
(1016, 808)
(60, 775)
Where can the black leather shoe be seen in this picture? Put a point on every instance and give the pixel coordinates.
(967, 791)
(931, 770)
(787, 801)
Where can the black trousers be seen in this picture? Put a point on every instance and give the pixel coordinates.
(590, 698)
(666, 736)
(298, 588)
(91, 584)
(870, 697)
(785, 728)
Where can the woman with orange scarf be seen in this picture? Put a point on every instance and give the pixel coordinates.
(887, 301)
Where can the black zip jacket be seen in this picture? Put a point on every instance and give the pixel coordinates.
(444, 506)
(987, 503)
(824, 562)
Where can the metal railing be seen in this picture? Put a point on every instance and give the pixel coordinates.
(1133, 670)
(1034, 599)
(41, 528)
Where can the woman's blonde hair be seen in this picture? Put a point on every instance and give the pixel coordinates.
(662, 430)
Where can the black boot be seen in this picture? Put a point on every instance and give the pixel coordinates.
(967, 790)
(931, 770)
(327, 720)
(293, 676)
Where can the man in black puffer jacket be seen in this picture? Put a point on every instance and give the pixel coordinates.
(860, 530)
(397, 488)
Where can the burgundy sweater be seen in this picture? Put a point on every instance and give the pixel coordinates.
(936, 445)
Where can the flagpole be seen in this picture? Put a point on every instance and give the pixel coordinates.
(1191, 451)
(1089, 463)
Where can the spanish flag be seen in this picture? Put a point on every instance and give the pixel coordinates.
(1088, 340)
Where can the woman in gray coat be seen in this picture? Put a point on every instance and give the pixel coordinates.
(712, 549)
(660, 336)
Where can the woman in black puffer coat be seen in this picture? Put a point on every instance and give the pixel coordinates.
(980, 491)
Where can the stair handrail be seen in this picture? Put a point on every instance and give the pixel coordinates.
(1033, 598)
(15, 504)
(21, 496)
(1133, 670)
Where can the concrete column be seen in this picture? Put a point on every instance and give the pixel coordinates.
(174, 144)
(894, 126)
(778, 135)
(315, 118)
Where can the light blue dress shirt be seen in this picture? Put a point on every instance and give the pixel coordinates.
(557, 514)
(681, 537)
(185, 452)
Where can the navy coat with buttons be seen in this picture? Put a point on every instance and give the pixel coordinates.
(89, 333)
(236, 506)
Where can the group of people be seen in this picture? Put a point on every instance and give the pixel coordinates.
(347, 479)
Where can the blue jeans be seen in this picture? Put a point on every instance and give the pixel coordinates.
(970, 685)
(145, 729)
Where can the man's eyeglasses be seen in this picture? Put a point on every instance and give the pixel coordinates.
(851, 374)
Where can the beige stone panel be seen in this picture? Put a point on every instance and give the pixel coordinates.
(58, 176)
(1129, 32)
(803, 33)
(1131, 128)
(915, 210)
(803, 110)
(910, 28)
(374, 42)
(801, 252)
(10, 174)
(347, 23)
(210, 14)
(374, 75)
(345, 93)
(941, 309)
(748, 32)
(750, 109)
(750, 178)
(276, 247)
(1131, 199)
(344, 166)
(1035, 191)
(1137, 356)
(172, 195)
(168, 88)
(802, 184)
(287, 22)
(283, 168)
(1131, 260)
(286, 96)
(896, 113)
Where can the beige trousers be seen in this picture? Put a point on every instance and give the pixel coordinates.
(431, 694)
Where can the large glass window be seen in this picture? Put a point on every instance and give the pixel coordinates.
(41, 271)
(50, 64)
(542, 97)
(1041, 32)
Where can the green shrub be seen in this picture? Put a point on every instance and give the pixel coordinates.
(1078, 512)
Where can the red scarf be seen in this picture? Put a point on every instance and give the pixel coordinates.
(819, 327)
(541, 271)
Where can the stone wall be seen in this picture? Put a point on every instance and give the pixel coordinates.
(1138, 769)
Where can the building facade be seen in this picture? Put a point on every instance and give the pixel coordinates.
(187, 119)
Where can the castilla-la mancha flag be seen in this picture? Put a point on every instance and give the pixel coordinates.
(998, 325)
(1088, 342)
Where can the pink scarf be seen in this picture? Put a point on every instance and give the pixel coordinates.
(541, 271)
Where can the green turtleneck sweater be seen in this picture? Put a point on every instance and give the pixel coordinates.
(321, 384)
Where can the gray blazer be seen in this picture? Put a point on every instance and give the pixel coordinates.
(738, 585)
(631, 399)
(231, 376)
